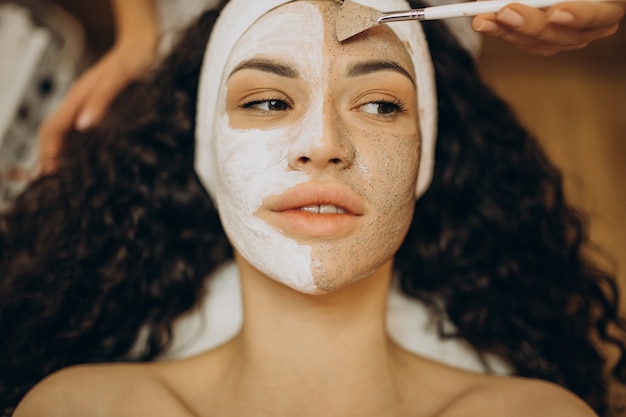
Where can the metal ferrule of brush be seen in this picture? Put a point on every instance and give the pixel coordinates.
(415, 14)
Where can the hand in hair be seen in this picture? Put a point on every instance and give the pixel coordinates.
(90, 96)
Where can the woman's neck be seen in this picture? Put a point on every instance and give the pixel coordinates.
(321, 354)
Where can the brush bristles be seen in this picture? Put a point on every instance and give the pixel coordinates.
(354, 18)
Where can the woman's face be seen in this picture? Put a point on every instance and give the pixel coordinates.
(317, 148)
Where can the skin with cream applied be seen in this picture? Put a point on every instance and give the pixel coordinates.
(318, 150)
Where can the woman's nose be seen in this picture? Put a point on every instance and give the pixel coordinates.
(326, 143)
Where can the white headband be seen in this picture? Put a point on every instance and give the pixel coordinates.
(234, 21)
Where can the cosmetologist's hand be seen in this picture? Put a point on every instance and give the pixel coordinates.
(563, 27)
(90, 96)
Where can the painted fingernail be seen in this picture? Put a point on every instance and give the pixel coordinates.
(510, 18)
(486, 26)
(561, 17)
(84, 121)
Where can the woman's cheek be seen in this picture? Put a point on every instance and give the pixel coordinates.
(253, 165)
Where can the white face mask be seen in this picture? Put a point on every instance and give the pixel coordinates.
(272, 165)
(253, 162)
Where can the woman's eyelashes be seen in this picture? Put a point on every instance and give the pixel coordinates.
(383, 108)
(267, 105)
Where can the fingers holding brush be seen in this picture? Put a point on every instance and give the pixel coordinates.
(563, 27)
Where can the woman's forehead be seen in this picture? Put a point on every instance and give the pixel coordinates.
(304, 31)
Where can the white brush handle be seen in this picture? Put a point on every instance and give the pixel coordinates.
(477, 7)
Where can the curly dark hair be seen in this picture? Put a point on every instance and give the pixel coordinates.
(118, 241)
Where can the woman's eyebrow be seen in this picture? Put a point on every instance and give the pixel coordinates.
(267, 66)
(368, 67)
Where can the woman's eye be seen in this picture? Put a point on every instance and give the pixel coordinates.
(267, 105)
(381, 108)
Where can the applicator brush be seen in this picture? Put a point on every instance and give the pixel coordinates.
(355, 18)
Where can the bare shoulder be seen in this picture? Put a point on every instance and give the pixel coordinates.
(518, 397)
(101, 390)
(435, 389)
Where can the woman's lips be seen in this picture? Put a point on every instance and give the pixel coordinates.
(314, 210)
